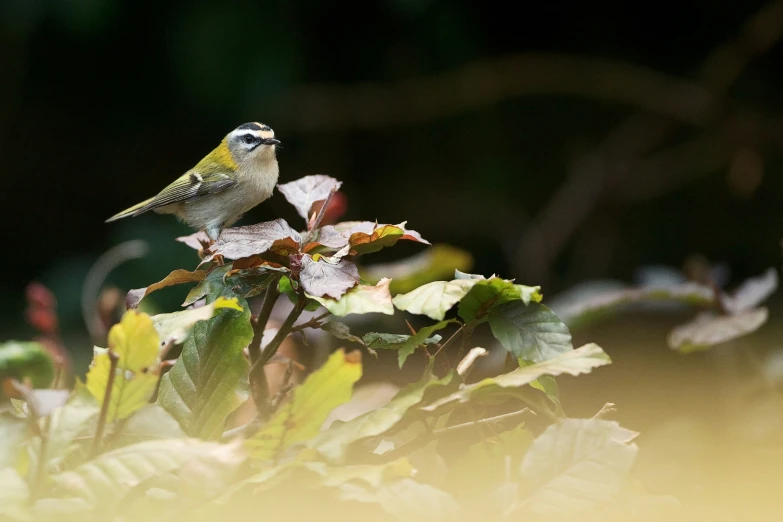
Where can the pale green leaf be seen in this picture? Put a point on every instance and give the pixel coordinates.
(12, 433)
(75, 420)
(14, 495)
(149, 423)
(405, 344)
(573, 362)
(752, 292)
(361, 299)
(136, 343)
(106, 480)
(406, 500)
(434, 299)
(334, 442)
(577, 466)
(310, 405)
(206, 383)
(531, 332)
(175, 327)
(487, 294)
(709, 329)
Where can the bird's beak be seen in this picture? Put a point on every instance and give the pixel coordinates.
(270, 141)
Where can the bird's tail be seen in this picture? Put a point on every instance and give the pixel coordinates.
(135, 210)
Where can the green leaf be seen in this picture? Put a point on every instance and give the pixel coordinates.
(305, 192)
(312, 401)
(405, 344)
(486, 464)
(434, 299)
(251, 281)
(488, 294)
(576, 466)
(213, 284)
(205, 384)
(26, 360)
(709, 329)
(407, 500)
(341, 331)
(175, 327)
(76, 419)
(324, 278)
(361, 299)
(574, 362)
(14, 496)
(135, 341)
(176, 277)
(12, 433)
(335, 442)
(531, 332)
(149, 423)
(106, 480)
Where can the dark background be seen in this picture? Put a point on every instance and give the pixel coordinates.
(557, 142)
(495, 129)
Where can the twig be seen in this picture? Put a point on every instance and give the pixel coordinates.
(467, 334)
(313, 322)
(257, 376)
(313, 223)
(420, 442)
(259, 326)
(96, 442)
(481, 422)
(444, 345)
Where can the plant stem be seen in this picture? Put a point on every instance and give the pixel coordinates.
(313, 224)
(271, 349)
(314, 322)
(257, 376)
(420, 442)
(96, 441)
(444, 345)
(467, 334)
(272, 293)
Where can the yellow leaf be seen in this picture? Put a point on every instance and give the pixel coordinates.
(135, 343)
(301, 419)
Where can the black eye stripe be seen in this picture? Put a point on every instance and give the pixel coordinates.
(250, 138)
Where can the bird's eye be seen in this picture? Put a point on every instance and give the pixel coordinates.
(249, 138)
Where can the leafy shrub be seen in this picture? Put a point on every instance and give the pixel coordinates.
(137, 442)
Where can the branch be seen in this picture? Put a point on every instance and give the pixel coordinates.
(259, 326)
(313, 322)
(96, 442)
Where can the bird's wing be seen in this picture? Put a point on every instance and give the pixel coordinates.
(190, 187)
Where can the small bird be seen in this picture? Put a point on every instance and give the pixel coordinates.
(238, 175)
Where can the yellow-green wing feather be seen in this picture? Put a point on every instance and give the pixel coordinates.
(209, 179)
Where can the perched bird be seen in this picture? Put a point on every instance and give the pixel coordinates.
(235, 177)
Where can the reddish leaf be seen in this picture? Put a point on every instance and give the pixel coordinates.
(196, 241)
(240, 242)
(177, 277)
(323, 278)
(364, 236)
(305, 192)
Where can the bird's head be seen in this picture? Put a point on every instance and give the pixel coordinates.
(252, 141)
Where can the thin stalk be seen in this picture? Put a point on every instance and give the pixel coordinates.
(467, 334)
(443, 346)
(316, 220)
(420, 442)
(314, 322)
(96, 442)
(270, 297)
(257, 376)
